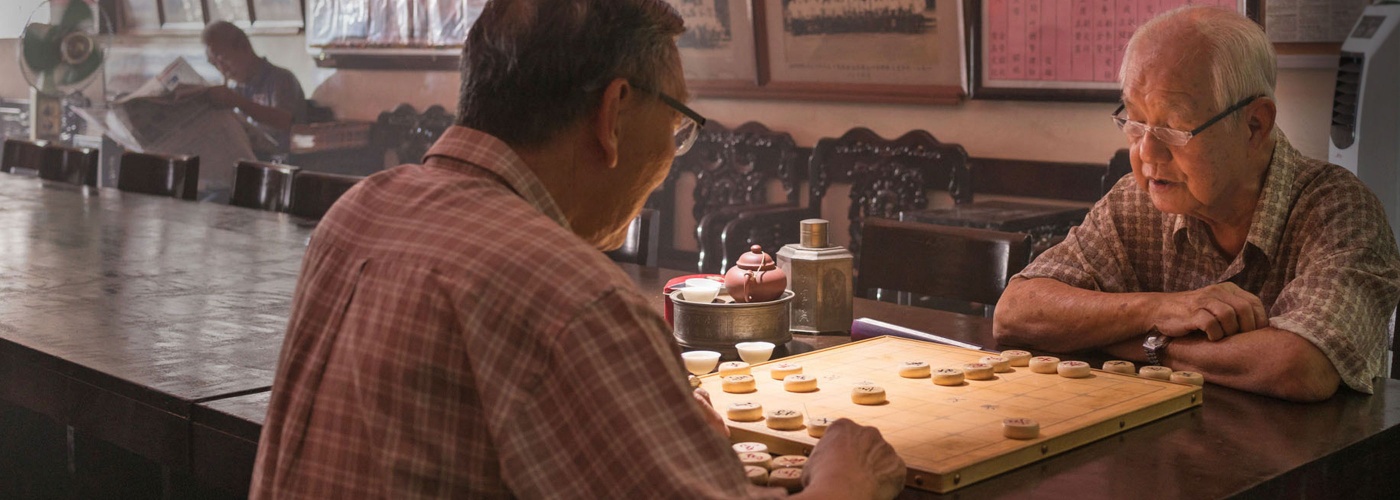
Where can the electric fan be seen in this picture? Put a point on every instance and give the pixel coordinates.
(59, 59)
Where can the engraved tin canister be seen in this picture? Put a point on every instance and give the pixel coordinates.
(719, 325)
(819, 275)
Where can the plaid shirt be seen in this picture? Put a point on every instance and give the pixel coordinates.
(450, 337)
(1319, 254)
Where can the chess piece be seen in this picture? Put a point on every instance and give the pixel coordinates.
(755, 278)
(820, 278)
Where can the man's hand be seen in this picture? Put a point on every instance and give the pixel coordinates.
(711, 416)
(224, 97)
(1217, 310)
(853, 461)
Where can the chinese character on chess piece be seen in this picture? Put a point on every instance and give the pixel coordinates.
(820, 277)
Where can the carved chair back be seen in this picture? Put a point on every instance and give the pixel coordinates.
(888, 176)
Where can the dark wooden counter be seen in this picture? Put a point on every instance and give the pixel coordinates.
(119, 311)
(155, 324)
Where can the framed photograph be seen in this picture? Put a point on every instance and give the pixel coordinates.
(134, 16)
(277, 14)
(717, 48)
(907, 51)
(182, 15)
(1060, 50)
(234, 11)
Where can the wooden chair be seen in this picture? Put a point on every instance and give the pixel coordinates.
(1118, 167)
(159, 174)
(959, 263)
(642, 240)
(26, 156)
(77, 166)
(264, 186)
(733, 169)
(886, 178)
(313, 192)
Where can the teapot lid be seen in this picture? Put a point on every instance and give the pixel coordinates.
(755, 260)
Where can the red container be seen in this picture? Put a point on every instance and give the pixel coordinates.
(679, 282)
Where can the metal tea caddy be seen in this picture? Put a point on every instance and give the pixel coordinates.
(819, 275)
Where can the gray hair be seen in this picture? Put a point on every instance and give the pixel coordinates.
(1242, 60)
(531, 68)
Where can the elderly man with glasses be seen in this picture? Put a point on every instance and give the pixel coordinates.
(1226, 252)
(456, 332)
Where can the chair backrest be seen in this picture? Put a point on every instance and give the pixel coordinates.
(22, 154)
(887, 176)
(960, 263)
(733, 169)
(159, 174)
(642, 240)
(313, 192)
(408, 133)
(1118, 167)
(264, 186)
(71, 165)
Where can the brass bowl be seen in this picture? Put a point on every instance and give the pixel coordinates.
(718, 325)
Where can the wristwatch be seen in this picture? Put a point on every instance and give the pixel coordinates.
(1156, 347)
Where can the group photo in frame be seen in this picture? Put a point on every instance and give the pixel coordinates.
(1059, 50)
(894, 51)
(718, 48)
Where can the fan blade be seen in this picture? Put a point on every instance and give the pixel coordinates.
(79, 72)
(41, 50)
(77, 12)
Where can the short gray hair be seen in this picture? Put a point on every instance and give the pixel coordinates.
(531, 68)
(1242, 60)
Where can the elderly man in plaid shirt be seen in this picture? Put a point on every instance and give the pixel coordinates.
(457, 334)
(1226, 252)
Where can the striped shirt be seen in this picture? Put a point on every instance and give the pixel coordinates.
(450, 337)
(1319, 255)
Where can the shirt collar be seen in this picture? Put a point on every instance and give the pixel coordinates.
(488, 153)
(1270, 213)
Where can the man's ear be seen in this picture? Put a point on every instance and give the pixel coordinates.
(607, 125)
(1261, 121)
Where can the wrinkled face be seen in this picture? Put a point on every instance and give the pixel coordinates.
(1171, 87)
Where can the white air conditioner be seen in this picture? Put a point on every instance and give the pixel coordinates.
(1366, 106)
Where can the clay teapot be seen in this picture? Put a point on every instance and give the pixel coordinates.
(755, 277)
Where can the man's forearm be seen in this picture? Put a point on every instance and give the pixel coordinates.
(1267, 361)
(1046, 314)
(268, 116)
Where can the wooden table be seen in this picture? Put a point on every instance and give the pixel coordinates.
(120, 311)
(155, 324)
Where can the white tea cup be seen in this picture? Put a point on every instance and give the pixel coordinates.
(754, 352)
(700, 290)
(700, 362)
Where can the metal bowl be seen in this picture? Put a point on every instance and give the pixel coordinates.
(718, 325)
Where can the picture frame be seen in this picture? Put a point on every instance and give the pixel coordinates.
(883, 51)
(238, 12)
(277, 15)
(718, 48)
(133, 16)
(182, 15)
(1009, 45)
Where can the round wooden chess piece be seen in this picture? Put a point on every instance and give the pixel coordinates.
(755, 277)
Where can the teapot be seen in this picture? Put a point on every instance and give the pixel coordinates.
(755, 277)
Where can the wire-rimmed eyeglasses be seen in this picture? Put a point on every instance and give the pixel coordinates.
(689, 128)
(1136, 130)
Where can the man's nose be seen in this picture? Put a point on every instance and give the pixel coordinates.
(1153, 150)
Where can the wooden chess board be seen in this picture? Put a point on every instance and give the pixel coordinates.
(952, 436)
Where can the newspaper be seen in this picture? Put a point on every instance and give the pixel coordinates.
(170, 114)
